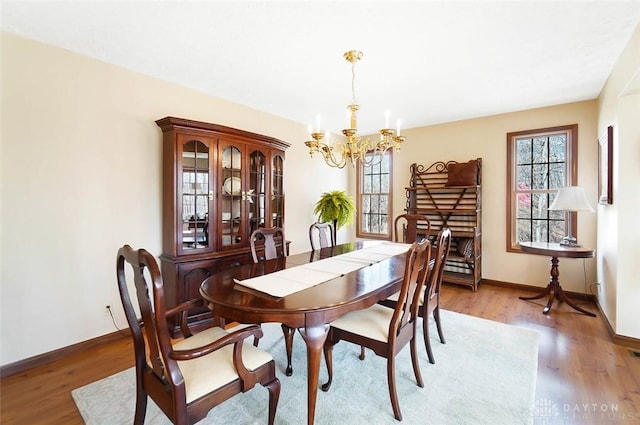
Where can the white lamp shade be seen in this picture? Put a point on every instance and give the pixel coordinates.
(571, 198)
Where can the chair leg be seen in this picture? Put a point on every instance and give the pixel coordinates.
(415, 362)
(288, 342)
(141, 402)
(328, 359)
(393, 394)
(274, 396)
(436, 316)
(361, 357)
(427, 341)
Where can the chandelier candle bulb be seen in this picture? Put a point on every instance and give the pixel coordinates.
(398, 128)
(354, 118)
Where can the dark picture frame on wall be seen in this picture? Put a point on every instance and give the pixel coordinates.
(605, 167)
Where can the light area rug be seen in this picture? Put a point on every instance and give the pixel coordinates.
(484, 374)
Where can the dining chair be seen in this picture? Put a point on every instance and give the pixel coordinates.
(186, 379)
(268, 243)
(429, 302)
(409, 228)
(386, 330)
(275, 246)
(321, 235)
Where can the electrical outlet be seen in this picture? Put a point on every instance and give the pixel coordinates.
(107, 310)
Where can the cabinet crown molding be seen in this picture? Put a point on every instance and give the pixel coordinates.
(171, 123)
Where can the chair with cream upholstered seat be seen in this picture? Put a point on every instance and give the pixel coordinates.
(188, 378)
(407, 228)
(430, 305)
(386, 330)
(430, 300)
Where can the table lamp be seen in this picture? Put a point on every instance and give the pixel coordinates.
(570, 198)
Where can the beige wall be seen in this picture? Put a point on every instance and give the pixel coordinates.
(80, 176)
(618, 228)
(80, 167)
(486, 138)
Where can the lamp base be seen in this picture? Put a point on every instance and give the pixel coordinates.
(570, 241)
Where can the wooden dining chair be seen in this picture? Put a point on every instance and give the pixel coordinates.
(321, 235)
(386, 330)
(409, 228)
(274, 246)
(186, 379)
(429, 303)
(268, 243)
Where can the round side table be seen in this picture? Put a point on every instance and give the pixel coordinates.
(554, 290)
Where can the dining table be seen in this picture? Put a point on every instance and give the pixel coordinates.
(311, 309)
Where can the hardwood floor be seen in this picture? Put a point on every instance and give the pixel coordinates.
(583, 378)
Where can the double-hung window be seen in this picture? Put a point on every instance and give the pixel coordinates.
(539, 162)
(374, 198)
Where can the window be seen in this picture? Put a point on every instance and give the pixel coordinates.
(374, 198)
(539, 163)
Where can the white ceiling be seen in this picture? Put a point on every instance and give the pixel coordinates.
(426, 61)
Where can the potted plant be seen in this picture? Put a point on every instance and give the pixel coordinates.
(335, 207)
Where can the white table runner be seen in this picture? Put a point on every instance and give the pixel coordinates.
(387, 248)
(288, 281)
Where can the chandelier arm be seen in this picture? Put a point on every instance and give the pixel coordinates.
(331, 160)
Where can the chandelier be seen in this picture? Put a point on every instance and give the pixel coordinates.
(354, 148)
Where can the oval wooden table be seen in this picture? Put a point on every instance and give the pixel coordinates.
(554, 290)
(309, 310)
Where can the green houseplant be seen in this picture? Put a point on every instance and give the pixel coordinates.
(335, 207)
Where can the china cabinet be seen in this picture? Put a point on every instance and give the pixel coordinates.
(219, 184)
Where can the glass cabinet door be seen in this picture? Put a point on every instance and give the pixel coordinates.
(231, 196)
(257, 190)
(277, 191)
(196, 195)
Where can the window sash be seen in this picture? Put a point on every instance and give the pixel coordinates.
(537, 168)
(375, 197)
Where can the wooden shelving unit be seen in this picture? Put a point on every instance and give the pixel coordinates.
(458, 207)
